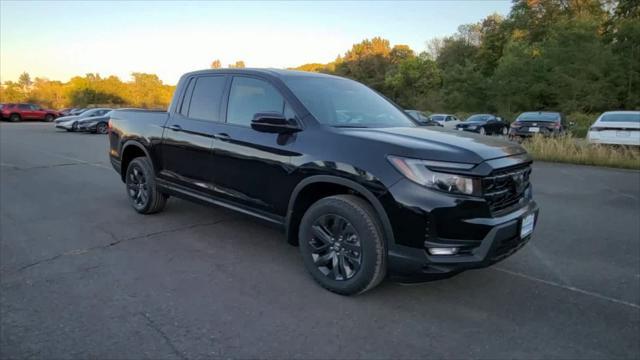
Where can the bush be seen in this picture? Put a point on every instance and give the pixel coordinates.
(581, 125)
(568, 149)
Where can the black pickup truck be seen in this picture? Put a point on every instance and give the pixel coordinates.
(348, 175)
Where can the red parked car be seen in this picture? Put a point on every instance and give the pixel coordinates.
(19, 112)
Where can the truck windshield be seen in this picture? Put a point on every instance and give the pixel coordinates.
(345, 103)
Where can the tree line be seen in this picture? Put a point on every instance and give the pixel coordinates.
(144, 90)
(575, 56)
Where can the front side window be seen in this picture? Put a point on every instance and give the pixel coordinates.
(345, 103)
(480, 118)
(206, 98)
(249, 96)
(24, 107)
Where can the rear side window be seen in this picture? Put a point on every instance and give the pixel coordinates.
(206, 98)
(24, 107)
(250, 96)
(621, 117)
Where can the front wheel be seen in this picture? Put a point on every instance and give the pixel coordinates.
(505, 131)
(48, 118)
(141, 187)
(15, 118)
(102, 128)
(482, 131)
(342, 244)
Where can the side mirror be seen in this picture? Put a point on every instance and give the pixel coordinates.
(272, 123)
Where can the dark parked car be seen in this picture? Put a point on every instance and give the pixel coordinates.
(94, 124)
(545, 123)
(19, 112)
(350, 178)
(485, 124)
(421, 118)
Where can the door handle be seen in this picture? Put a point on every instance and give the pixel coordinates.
(222, 136)
(175, 127)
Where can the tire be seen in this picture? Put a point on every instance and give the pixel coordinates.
(49, 118)
(482, 131)
(505, 131)
(74, 127)
(142, 189)
(15, 118)
(101, 128)
(329, 254)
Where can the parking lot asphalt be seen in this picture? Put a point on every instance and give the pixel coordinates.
(84, 276)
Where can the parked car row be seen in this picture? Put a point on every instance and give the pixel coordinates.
(612, 127)
(90, 120)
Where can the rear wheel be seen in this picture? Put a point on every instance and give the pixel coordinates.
(48, 118)
(102, 128)
(15, 118)
(482, 131)
(505, 131)
(141, 187)
(342, 245)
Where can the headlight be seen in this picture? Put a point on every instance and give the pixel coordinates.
(420, 172)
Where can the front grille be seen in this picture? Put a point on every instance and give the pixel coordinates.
(505, 188)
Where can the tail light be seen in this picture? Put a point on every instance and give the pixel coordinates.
(109, 125)
(555, 125)
(516, 124)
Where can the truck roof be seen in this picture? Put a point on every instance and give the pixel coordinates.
(280, 73)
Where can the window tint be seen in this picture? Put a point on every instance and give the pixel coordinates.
(538, 116)
(205, 101)
(24, 107)
(250, 96)
(621, 117)
(184, 107)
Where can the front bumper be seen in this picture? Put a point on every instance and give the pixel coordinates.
(65, 126)
(423, 219)
(475, 129)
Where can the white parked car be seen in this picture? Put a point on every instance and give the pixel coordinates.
(616, 128)
(447, 120)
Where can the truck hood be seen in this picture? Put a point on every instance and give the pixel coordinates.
(439, 144)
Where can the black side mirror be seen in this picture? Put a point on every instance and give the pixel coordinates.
(272, 123)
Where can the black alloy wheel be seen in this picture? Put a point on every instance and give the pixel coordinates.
(342, 245)
(335, 247)
(144, 195)
(137, 187)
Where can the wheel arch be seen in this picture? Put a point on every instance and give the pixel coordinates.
(131, 150)
(331, 185)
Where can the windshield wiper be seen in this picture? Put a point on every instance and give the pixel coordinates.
(350, 126)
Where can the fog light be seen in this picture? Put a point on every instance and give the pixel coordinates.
(443, 251)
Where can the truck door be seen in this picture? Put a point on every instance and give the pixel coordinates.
(188, 134)
(252, 168)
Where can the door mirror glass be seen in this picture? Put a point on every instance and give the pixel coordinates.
(271, 122)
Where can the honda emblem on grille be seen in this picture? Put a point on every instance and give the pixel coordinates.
(518, 182)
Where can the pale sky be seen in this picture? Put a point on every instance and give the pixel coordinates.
(58, 40)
